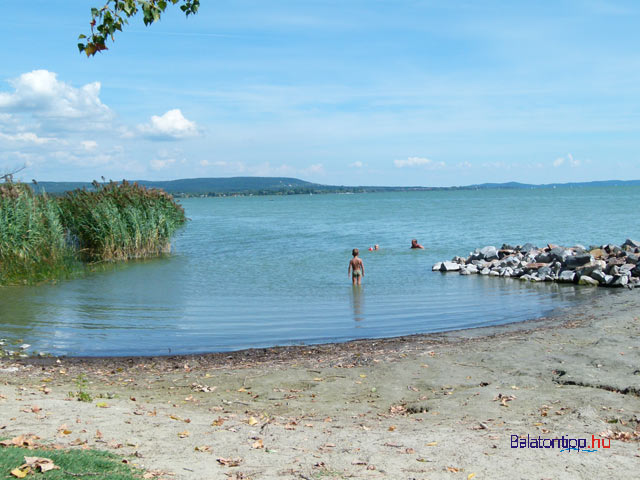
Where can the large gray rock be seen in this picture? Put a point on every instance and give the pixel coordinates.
(612, 269)
(544, 257)
(512, 261)
(599, 276)
(489, 253)
(449, 267)
(566, 276)
(527, 247)
(480, 264)
(485, 271)
(591, 267)
(578, 260)
(627, 267)
(507, 272)
(631, 243)
(633, 258)
(544, 271)
(612, 249)
(559, 254)
(587, 280)
(436, 267)
(475, 256)
(619, 281)
(471, 268)
(636, 271)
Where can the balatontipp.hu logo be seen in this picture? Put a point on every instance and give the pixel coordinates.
(564, 444)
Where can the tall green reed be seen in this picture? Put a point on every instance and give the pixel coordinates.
(32, 238)
(120, 221)
(43, 238)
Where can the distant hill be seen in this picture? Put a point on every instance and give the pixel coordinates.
(290, 186)
(201, 186)
(601, 183)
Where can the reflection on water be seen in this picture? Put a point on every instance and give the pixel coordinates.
(357, 298)
(255, 272)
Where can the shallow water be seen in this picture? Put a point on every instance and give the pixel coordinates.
(263, 271)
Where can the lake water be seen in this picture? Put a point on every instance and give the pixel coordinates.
(264, 271)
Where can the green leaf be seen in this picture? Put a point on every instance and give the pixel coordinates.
(81, 36)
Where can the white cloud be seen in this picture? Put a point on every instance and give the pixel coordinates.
(162, 163)
(499, 165)
(42, 95)
(568, 159)
(220, 163)
(418, 162)
(464, 164)
(89, 145)
(315, 169)
(572, 161)
(267, 170)
(79, 160)
(26, 137)
(357, 164)
(170, 126)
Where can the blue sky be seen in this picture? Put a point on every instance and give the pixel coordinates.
(340, 92)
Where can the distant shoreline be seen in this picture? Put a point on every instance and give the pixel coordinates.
(260, 186)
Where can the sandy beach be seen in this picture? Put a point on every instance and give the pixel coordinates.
(418, 407)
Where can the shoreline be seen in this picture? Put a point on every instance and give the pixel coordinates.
(440, 405)
(297, 351)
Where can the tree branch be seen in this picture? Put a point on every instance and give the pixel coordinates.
(8, 177)
(109, 19)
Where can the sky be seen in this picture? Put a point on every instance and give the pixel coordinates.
(341, 92)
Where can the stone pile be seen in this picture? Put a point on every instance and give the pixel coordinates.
(606, 265)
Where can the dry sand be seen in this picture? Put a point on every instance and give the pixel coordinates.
(425, 406)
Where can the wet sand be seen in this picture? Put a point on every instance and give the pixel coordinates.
(418, 407)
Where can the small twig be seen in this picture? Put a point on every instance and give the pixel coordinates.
(81, 474)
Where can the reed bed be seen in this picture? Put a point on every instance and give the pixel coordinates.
(32, 237)
(120, 221)
(43, 237)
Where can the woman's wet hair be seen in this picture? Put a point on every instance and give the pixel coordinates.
(354, 252)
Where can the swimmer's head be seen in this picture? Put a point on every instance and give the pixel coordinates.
(355, 252)
(376, 247)
(414, 241)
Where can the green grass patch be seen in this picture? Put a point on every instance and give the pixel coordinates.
(84, 464)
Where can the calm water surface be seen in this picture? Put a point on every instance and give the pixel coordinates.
(263, 271)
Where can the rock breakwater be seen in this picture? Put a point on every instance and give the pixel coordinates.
(604, 265)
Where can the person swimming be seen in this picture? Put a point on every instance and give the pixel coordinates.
(356, 268)
(415, 244)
